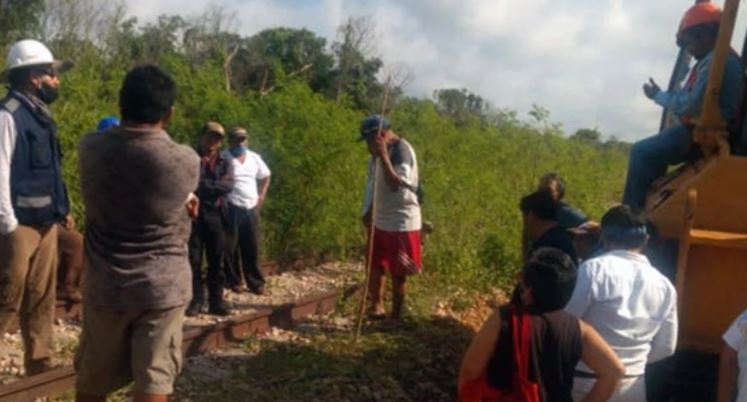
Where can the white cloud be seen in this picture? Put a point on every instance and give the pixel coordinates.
(584, 60)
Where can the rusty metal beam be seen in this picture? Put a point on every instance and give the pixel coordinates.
(66, 310)
(197, 340)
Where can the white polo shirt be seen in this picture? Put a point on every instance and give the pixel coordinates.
(736, 338)
(8, 220)
(246, 174)
(632, 306)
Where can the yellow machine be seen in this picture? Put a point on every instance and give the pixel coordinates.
(703, 206)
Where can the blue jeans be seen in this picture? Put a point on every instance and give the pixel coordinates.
(649, 159)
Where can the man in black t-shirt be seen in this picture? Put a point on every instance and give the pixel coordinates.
(541, 229)
(539, 212)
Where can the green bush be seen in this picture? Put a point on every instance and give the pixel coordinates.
(473, 173)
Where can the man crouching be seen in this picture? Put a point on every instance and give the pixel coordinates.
(135, 181)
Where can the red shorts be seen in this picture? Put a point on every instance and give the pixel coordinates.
(397, 252)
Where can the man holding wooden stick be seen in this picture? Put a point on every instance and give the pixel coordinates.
(391, 205)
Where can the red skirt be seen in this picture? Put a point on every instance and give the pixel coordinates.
(397, 252)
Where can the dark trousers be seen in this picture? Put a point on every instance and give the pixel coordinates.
(208, 237)
(242, 252)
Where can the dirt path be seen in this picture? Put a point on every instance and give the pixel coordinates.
(316, 361)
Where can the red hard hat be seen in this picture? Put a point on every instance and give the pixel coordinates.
(702, 13)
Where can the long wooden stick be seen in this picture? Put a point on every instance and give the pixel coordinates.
(371, 231)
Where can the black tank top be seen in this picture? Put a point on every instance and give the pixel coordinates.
(556, 350)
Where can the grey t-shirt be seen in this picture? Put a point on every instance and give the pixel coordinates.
(135, 183)
(396, 210)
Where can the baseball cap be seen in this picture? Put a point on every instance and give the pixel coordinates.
(238, 132)
(106, 122)
(214, 127)
(371, 124)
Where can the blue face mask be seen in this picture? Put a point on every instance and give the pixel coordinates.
(238, 151)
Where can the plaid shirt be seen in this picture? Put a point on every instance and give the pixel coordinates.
(216, 181)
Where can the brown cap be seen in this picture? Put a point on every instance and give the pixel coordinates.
(238, 132)
(214, 127)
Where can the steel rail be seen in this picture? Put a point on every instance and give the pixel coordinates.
(66, 309)
(198, 339)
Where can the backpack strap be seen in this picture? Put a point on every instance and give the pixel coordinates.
(522, 338)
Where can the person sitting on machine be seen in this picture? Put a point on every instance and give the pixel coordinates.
(650, 157)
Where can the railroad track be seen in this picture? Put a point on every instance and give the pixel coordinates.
(65, 309)
(197, 340)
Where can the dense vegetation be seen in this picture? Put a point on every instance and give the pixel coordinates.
(302, 100)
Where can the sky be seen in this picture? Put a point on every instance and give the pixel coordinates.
(584, 60)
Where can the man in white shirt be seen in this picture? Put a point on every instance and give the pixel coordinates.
(251, 181)
(391, 204)
(628, 301)
(732, 374)
(33, 199)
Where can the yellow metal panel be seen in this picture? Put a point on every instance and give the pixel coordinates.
(712, 266)
(719, 239)
(715, 292)
(721, 183)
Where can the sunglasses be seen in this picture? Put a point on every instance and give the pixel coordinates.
(47, 71)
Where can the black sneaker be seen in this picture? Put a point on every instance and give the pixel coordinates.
(38, 366)
(219, 308)
(258, 290)
(195, 308)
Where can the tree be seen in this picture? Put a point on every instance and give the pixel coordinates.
(357, 68)
(18, 19)
(503, 117)
(590, 135)
(297, 52)
(460, 104)
(159, 39)
(615, 143)
(539, 114)
(209, 37)
(541, 119)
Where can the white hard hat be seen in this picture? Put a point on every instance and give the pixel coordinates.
(30, 52)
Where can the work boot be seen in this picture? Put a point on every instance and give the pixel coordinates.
(220, 308)
(237, 288)
(195, 308)
(257, 290)
(72, 294)
(39, 366)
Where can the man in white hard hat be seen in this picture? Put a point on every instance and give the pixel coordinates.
(33, 199)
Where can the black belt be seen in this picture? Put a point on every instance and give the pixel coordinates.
(583, 374)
